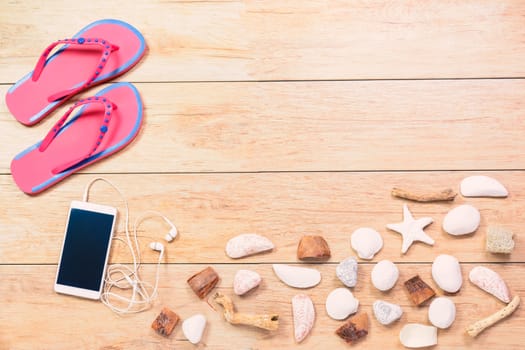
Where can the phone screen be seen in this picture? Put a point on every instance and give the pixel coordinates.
(86, 245)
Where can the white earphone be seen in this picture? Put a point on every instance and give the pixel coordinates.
(122, 277)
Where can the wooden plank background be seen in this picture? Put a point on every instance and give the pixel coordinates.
(282, 118)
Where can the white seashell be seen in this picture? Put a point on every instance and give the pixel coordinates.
(245, 280)
(386, 313)
(340, 304)
(482, 186)
(490, 282)
(247, 244)
(366, 242)
(415, 335)
(446, 272)
(297, 277)
(346, 271)
(303, 316)
(442, 312)
(193, 328)
(384, 275)
(461, 220)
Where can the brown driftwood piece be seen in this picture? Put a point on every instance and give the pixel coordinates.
(165, 322)
(203, 282)
(418, 290)
(354, 329)
(476, 328)
(444, 195)
(269, 322)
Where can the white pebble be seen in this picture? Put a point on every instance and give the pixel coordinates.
(462, 220)
(341, 303)
(442, 312)
(245, 280)
(384, 275)
(446, 272)
(366, 242)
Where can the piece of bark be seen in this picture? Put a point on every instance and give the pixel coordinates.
(418, 290)
(354, 329)
(419, 196)
(313, 248)
(265, 321)
(165, 322)
(476, 328)
(203, 282)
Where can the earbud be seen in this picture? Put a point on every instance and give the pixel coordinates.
(157, 246)
(170, 236)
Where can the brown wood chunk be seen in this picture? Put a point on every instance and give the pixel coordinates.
(447, 194)
(165, 322)
(354, 329)
(418, 290)
(203, 282)
(313, 248)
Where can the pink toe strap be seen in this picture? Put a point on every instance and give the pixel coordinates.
(107, 49)
(109, 107)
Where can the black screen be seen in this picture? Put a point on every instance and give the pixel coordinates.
(85, 247)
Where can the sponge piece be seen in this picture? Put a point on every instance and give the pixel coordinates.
(499, 240)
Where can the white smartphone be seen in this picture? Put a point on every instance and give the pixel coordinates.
(85, 251)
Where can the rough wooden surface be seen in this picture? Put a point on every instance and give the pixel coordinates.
(282, 118)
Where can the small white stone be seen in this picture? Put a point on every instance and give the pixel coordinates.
(462, 220)
(247, 244)
(415, 335)
(491, 282)
(193, 328)
(446, 272)
(341, 303)
(297, 277)
(303, 316)
(385, 312)
(482, 186)
(245, 280)
(442, 312)
(346, 271)
(366, 242)
(384, 275)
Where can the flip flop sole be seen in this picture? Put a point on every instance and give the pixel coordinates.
(32, 170)
(72, 65)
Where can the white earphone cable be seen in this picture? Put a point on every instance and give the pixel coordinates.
(123, 277)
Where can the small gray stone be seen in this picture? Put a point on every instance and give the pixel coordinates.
(346, 271)
(386, 313)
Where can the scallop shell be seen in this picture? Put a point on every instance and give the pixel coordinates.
(366, 242)
(341, 303)
(247, 244)
(490, 282)
(303, 316)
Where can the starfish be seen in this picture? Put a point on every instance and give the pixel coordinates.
(411, 229)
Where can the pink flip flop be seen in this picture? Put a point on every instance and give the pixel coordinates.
(105, 124)
(101, 51)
